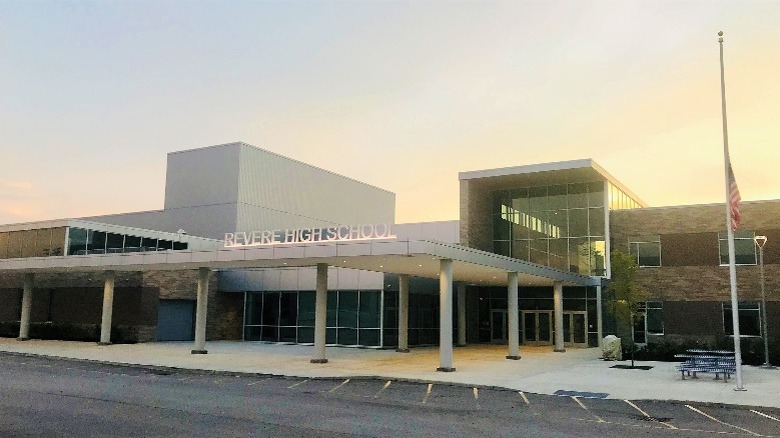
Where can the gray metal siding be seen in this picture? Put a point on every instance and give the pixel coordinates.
(202, 177)
(277, 183)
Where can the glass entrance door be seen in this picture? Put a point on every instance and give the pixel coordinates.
(575, 326)
(537, 327)
(498, 326)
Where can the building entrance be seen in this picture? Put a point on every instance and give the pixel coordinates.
(537, 327)
(498, 326)
(575, 326)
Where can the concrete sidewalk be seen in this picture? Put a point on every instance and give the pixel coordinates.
(539, 371)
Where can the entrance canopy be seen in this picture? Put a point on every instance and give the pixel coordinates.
(418, 258)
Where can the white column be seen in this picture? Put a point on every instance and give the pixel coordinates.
(200, 311)
(461, 314)
(445, 316)
(599, 317)
(27, 292)
(320, 314)
(558, 311)
(513, 315)
(403, 314)
(108, 306)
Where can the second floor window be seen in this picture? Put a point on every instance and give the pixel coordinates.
(744, 248)
(646, 249)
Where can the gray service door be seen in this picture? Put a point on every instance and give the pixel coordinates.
(175, 320)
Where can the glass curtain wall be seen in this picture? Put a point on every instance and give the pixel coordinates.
(366, 318)
(562, 226)
(42, 242)
(85, 241)
(354, 317)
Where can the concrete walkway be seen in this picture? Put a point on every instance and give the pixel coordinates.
(539, 371)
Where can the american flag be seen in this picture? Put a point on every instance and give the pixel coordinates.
(734, 199)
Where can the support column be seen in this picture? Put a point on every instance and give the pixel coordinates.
(108, 307)
(445, 316)
(513, 315)
(558, 311)
(27, 292)
(599, 317)
(320, 314)
(200, 311)
(461, 315)
(403, 314)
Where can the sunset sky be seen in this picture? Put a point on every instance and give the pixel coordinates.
(401, 95)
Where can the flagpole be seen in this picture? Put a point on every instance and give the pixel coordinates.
(730, 225)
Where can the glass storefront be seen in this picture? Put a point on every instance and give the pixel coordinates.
(366, 318)
(536, 315)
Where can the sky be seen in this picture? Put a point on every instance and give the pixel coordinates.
(402, 95)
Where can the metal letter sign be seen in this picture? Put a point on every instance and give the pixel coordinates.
(339, 233)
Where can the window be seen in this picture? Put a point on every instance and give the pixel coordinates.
(649, 320)
(749, 319)
(744, 248)
(646, 249)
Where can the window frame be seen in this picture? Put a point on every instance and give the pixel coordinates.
(724, 239)
(634, 244)
(728, 329)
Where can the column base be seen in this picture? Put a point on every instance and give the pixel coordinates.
(461, 345)
(445, 369)
(319, 361)
(563, 350)
(401, 350)
(104, 343)
(513, 357)
(767, 366)
(22, 339)
(199, 351)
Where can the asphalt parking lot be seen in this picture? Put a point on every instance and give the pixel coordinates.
(613, 417)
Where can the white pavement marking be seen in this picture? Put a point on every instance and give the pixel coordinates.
(525, 399)
(259, 381)
(765, 415)
(721, 422)
(427, 393)
(383, 388)
(648, 415)
(299, 383)
(599, 419)
(339, 385)
(476, 396)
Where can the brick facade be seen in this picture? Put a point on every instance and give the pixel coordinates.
(76, 300)
(690, 281)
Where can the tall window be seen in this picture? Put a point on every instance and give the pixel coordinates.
(744, 248)
(749, 319)
(646, 249)
(649, 320)
(562, 226)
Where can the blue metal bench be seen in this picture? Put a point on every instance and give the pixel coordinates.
(704, 361)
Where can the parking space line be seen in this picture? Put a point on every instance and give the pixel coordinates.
(721, 422)
(476, 396)
(299, 383)
(259, 381)
(525, 399)
(765, 415)
(576, 399)
(427, 393)
(383, 388)
(339, 386)
(648, 415)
